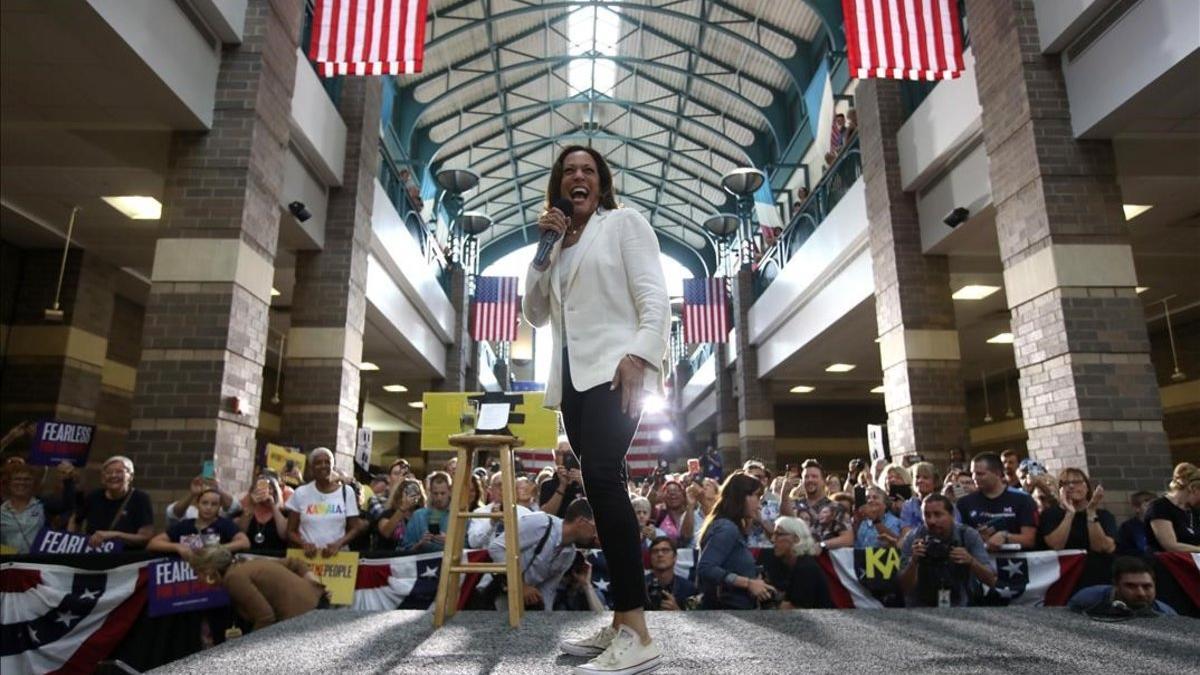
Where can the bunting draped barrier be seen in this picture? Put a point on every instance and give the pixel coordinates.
(64, 613)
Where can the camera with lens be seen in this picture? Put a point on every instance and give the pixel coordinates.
(656, 592)
(936, 549)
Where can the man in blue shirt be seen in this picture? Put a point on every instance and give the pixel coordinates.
(1131, 537)
(666, 589)
(1003, 517)
(1131, 594)
(426, 530)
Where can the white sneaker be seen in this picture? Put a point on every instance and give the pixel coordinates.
(593, 645)
(625, 656)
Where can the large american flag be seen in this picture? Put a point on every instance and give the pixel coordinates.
(495, 309)
(368, 37)
(648, 444)
(903, 39)
(705, 310)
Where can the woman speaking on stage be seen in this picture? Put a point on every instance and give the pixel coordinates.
(602, 290)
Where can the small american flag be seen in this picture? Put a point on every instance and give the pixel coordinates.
(903, 39)
(494, 312)
(704, 310)
(368, 37)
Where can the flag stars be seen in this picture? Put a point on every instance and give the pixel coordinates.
(429, 573)
(66, 618)
(89, 594)
(1013, 568)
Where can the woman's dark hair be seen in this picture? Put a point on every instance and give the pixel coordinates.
(608, 195)
(731, 501)
(480, 492)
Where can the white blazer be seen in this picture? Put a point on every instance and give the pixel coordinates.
(615, 302)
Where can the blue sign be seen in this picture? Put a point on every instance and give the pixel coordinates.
(59, 542)
(56, 441)
(175, 588)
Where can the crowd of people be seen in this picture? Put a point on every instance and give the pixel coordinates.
(947, 530)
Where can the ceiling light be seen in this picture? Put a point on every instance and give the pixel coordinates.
(666, 435)
(974, 292)
(416, 404)
(840, 368)
(395, 388)
(275, 292)
(1142, 289)
(1134, 210)
(367, 365)
(877, 390)
(1001, 339)
(138, 207)
(803, 389)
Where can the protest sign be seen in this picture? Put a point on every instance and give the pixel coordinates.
(175, 588)
(337, 572)
(57, 541)
(448, 413)
(362, 450)
(55, 441)
(278, 456)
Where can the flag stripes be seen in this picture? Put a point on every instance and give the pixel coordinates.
(705, 310)
(903, 39)
(368, 37)
(495, 311)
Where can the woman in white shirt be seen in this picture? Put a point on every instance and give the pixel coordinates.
(602, 291)
(323, 514)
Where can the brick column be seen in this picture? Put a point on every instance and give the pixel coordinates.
(325, 341)
(205, 333)
(727, 409)
(54, 369)
(914, 313)
(460, 353)
(1087, 385)
(756, 413)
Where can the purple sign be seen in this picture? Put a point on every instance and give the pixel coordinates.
(175, 588)
(69, 543)
(56, 441)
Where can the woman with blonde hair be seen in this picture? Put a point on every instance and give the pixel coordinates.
(1171, 521)
(1077, 521)
(792, 566)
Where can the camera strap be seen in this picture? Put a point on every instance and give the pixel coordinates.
(537, 550)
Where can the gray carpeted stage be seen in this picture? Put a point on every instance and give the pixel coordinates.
(1001, 640)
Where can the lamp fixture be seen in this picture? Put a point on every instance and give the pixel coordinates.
(457, 181)
(1134, 210)
(974, 292)
(840, 367)
(1141, 289)
(1001, 339)
(395, 388)
(136, 207)
(803, 389)
(743, 181)
(275, 293)
(721, 224)
(367, 365)
(416, 404)
(877, 390)
(474, 223)
(987, 407)
(1178, 375)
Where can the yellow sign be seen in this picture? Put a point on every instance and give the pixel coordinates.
(449, 413)
(277, 457)
(881, 562)
(338, 573)
(7, 550)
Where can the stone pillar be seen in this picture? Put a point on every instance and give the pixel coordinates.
(53, 369)
(727, 409)
(325, 341)
(460, 353)
(1087, 384)
(914, 313)
(204, 341)
(756, 413)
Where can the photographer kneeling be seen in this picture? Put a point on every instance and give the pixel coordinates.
(665, 589)
(941, 557)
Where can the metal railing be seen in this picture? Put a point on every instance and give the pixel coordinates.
(332, 85)
(397, 193)
(824, 197)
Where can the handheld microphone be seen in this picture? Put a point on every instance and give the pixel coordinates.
(549, 238)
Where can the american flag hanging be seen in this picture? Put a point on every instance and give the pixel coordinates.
(903, 39)
(705, 310)
(368, 37)
(495, 309)
(648, 444)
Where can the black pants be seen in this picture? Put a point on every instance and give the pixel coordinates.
(600, 435)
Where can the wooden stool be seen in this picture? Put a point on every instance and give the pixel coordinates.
(453, 565)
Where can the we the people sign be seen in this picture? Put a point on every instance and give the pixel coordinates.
(55, 441)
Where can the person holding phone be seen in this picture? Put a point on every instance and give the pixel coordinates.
(874, 525)
(1005, 518)
(425, 532)
(565, 486)
(925, 480)
(262, 517)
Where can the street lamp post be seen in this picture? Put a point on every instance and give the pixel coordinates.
(742, 183)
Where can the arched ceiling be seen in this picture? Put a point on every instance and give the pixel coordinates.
(674, 93)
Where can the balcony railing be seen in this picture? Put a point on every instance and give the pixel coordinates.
(828, 192)
(332, 85)
(397, 193)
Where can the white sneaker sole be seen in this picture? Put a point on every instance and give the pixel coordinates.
(648, 666)
(578, 650)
